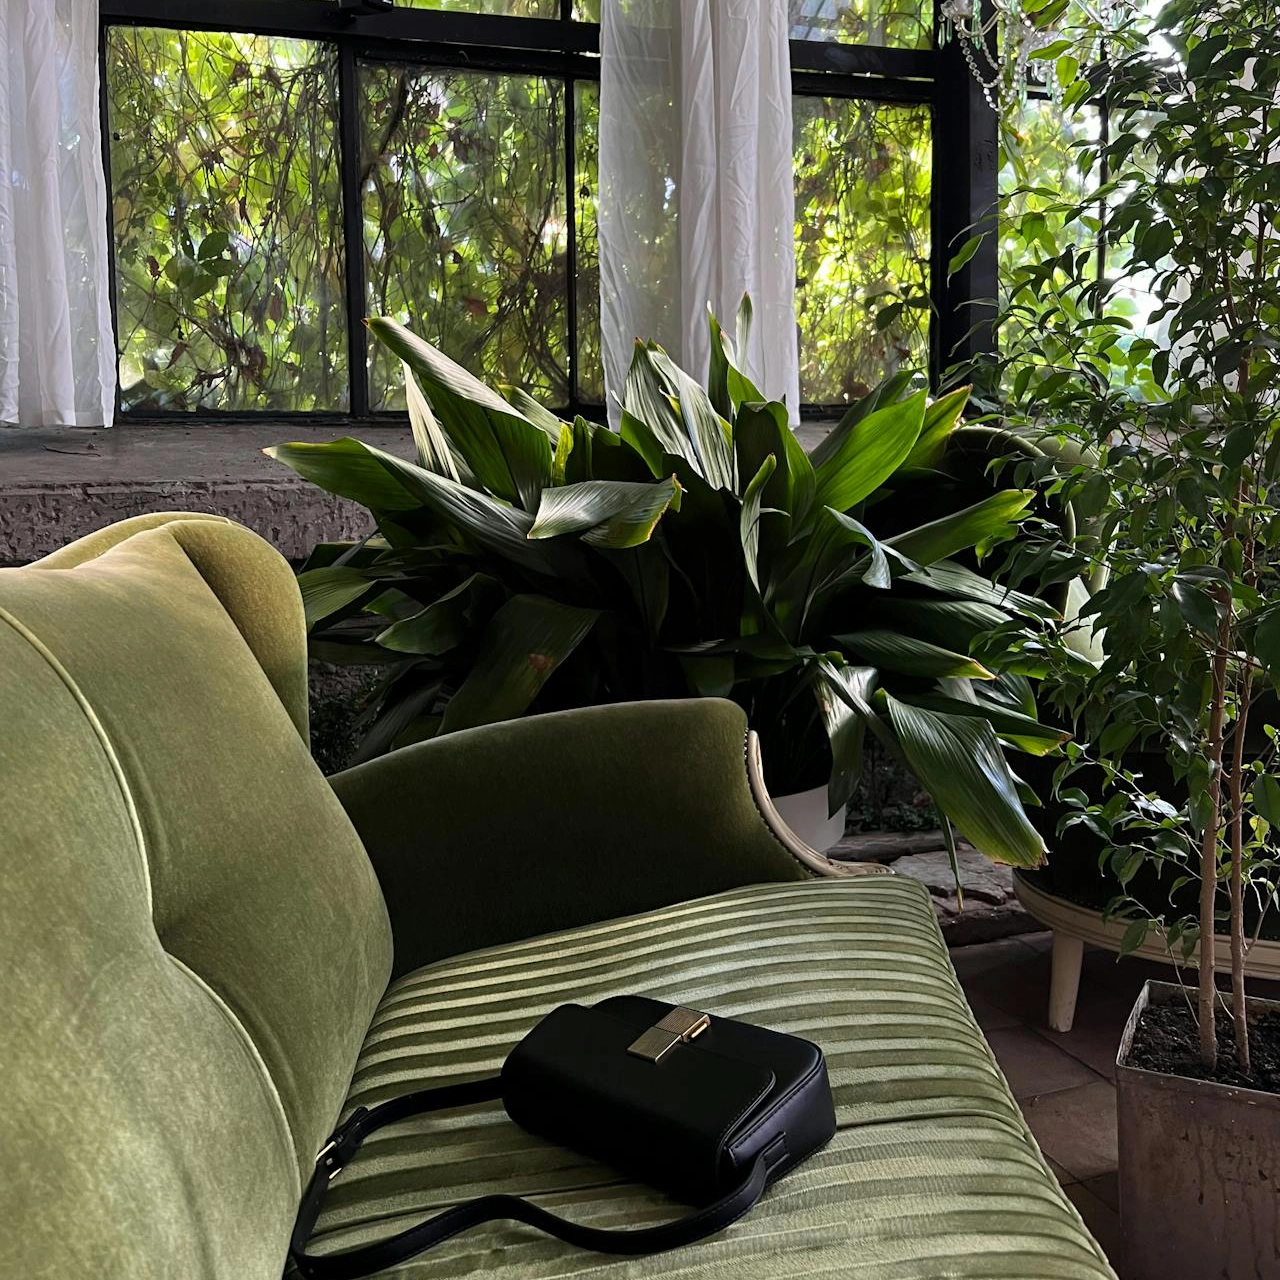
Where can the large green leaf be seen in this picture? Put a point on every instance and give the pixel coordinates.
(434, 453)
(846, 727)
(485, 522)
(871, 451)
(761, 430)
(959, 763)
(940, 420)
(751, 517)
(350, 469)
(961, 530)
(950, 579)
(525, 641)
(885, 394)
(819, 559)
(707, 430)
(328, 591)
(444, 623)
(910, 656)
(954, 624)
(535, 412)
(1024, 732)
(650, 422)
(508, 454)
(617, 513)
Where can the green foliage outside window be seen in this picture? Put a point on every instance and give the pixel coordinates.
(862, 176)
(227, 214)
(465, 221)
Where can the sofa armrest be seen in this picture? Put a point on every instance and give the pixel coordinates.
(514, 829)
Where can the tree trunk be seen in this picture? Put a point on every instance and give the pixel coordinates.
(1209, 856)
(1239, 1004)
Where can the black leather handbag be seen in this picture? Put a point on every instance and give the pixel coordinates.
(706, 1109)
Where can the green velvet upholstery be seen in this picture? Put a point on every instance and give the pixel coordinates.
(196, 951)
(932, 1173)
(193, 939)
(519, 828)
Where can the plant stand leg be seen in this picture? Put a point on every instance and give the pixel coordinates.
(1064, 980)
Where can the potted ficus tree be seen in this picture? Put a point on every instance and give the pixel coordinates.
(524, 564)
(1164, 376)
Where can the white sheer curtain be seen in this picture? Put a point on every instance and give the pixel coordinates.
(57, 357)
(697, 204)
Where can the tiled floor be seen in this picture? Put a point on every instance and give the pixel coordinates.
(1063, 1082)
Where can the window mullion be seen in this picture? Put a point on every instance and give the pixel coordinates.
(353, 231)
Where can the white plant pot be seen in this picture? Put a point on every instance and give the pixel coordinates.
(805, 812)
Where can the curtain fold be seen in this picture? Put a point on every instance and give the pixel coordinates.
(57, 353)
(697, 202)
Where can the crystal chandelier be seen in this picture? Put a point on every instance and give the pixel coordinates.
(1001, 38)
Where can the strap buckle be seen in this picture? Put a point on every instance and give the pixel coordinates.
(677, 1027)
(342, 1144)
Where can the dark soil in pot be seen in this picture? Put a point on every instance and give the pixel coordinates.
(1167, 1039)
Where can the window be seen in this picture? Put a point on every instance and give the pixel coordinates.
(279, 170)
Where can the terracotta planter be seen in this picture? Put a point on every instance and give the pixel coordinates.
(1199, 1169)
(805, 812)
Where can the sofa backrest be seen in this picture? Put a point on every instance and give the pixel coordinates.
(192, 941)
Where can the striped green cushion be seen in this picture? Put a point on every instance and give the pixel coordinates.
(933, 1173)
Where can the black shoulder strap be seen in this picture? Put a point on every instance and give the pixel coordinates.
(386, 1253)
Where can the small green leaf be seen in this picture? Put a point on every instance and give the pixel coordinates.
(432, 444)
(964, 254)
(1197, 608)
(443, 624)
(1134, 936)
(1266, 798)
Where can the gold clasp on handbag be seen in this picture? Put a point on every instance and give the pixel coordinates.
(677, 1027)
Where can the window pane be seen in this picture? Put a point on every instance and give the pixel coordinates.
(590, 362)
(902, 23)
(464, 222)
(862, 174)
(227, 214)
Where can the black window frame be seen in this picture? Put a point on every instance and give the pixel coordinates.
(963, 183)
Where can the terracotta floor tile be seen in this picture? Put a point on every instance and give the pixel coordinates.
(1033, 1066)
(1076, 1127)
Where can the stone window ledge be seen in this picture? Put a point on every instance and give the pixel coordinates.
(57, 485)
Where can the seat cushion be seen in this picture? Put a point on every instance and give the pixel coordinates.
(933, 1172)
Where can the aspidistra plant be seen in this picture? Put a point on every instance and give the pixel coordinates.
(523, 563)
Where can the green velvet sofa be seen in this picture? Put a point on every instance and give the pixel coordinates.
(210, 953)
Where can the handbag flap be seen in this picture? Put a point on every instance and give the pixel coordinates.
(572, 1080)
